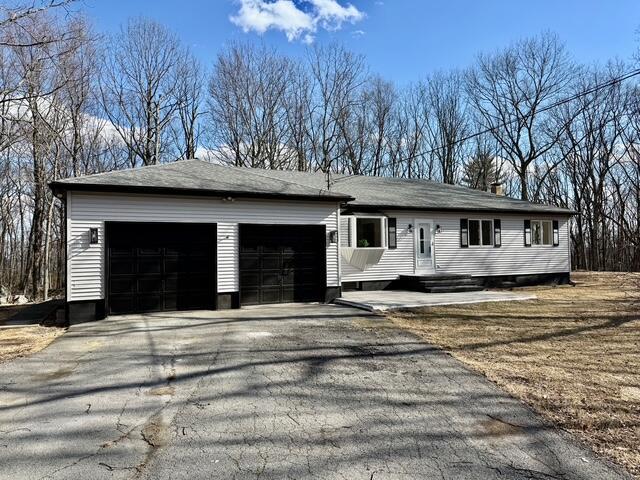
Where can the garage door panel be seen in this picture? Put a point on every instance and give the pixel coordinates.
(150, 303)
(122, 285)
(150, 251)
(122, 304)
(122, 265)
(304, 261)
(300, 277)
(171, 302)
(121, 251)
(271, 261)
(150, 285)
(198, 264)
(249, 261)
(271, 278)
(147, 265)
(288, 295)
(250, 296)
(302, 294)
(170, 283)
(155, 267)
(283, 263)
(270, 295)
(250, 279)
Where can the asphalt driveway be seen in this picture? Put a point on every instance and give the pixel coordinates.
(306, 391)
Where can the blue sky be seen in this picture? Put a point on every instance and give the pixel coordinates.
(403, 40)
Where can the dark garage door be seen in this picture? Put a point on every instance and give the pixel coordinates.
(160, 266)
(282, 263)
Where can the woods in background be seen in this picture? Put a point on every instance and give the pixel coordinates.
(74, 103)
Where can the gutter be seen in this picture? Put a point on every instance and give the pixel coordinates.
(59, 188)
(541, 211)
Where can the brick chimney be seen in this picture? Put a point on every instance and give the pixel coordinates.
(497, 189)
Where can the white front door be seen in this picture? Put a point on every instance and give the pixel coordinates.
(424, 246)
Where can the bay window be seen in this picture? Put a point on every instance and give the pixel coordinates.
(366, 232)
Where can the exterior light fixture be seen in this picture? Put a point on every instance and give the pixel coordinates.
(93, 236)
(228, 199)
(410, 228)
(438, 229)
(333, 236)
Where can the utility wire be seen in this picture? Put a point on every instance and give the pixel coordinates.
(551, 106)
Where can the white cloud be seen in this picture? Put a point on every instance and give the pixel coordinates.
(331, 14)
(297, 20)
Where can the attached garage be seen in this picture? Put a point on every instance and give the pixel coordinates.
(193, 235)
(282, 263)
(152, 267)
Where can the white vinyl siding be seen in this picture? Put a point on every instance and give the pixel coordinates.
(511, 258)
(85, 262)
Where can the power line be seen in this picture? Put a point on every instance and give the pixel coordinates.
(551, 106)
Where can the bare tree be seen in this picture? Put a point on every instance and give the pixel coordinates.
(189, 95)
(447, 123)
(138, 88)
(298, 115)
(248, 109)
(337, 77)
(591, 143)
(511, 90)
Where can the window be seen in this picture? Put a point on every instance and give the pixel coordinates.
(369, 232)
(541, 232)
(480, 232)
(392, 238)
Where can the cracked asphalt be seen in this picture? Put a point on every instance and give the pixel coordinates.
(304, 391)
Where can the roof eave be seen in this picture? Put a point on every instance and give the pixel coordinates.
(62, 187)
(541, 210)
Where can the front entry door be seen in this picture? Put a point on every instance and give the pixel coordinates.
(424, 246)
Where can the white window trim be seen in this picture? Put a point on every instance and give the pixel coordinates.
(493, 229)
(542, 245)
(354, 231)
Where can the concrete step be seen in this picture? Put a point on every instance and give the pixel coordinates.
(454, 289)
(447, 283)
(434, 277)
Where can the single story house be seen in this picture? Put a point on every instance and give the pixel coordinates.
(196, 235)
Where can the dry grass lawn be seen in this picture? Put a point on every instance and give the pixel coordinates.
(23, 341)
(573, 354)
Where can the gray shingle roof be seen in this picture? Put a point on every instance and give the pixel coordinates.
(364, 191)
(197, 176)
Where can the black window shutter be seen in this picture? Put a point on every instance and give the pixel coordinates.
(392, 233)
(556, 234)
(527, 233)
(497, 233)
(464, 233)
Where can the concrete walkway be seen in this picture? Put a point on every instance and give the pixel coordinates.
(382, 300)
(289, 392)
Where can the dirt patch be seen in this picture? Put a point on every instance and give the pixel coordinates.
(160, 391)
(155, 433)
(572, 354)
(23, 341)
(495, 427)
(54, 375)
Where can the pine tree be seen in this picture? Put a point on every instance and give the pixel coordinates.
(480, 171)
